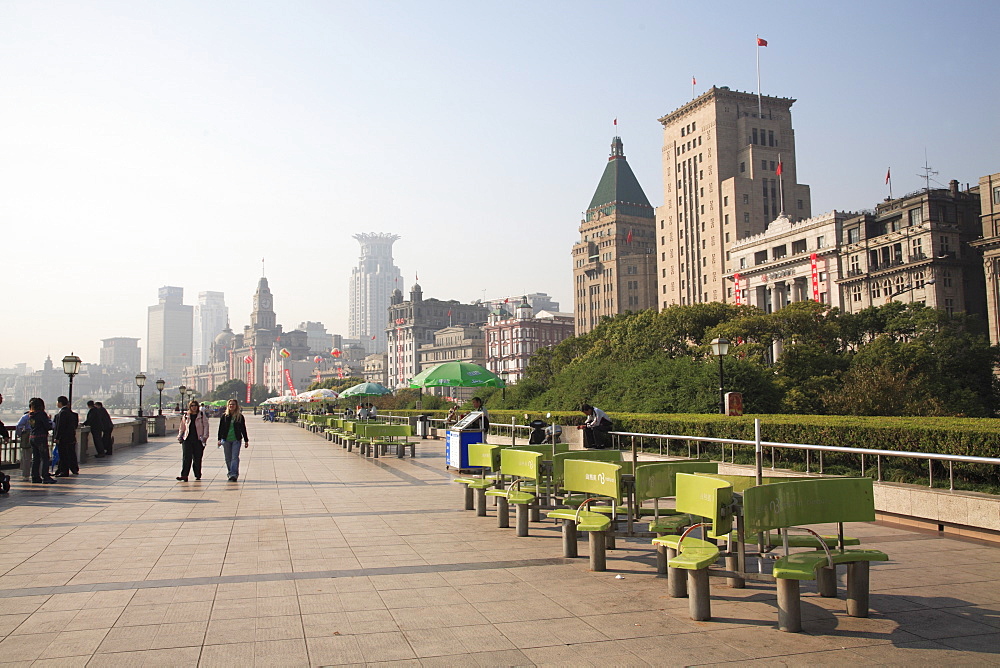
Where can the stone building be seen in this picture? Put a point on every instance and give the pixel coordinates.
(989, 246)
(512, 339)
(790, 261)
(614, 262)
(459, 343)
(916, 248)
(413, 323)
(121, 354)
(372, 284)
(728, 171)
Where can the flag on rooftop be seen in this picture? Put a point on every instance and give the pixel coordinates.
(761, 42)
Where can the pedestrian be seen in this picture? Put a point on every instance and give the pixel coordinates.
(233, 429)
(4, 436)
(37, 425)
(108, 429)
(484, 421)
(95, 420)
(192, 436)
(597, 428)
(64, 431)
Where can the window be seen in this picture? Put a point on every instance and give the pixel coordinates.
(917, 249)
(760, 257)
(853, 235)
(746, 217)
(743, 263)
(779, 252)
(631, 270)
(820, 242)
(949, 306)
(945, 245)
(772, 165)
(754, 138)
(799, 203)
(763, 164)
(725, 201)
(876, 290)
(746, 198)
(918, 280)
(743, 167)
(996, 195)
(770, 137)
(916, 216)
(856, 293)
(855, 264)
(946, 278)
(726, 219)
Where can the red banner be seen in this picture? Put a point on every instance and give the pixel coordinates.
(815, 277)
(249, 384)
(288, 379)
(739, 293)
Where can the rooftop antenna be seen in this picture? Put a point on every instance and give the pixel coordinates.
(262, 274)
(928, 173)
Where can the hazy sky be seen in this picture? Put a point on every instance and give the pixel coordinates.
(176, 143)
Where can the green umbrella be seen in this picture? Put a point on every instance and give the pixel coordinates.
(456, 374)
(366, 390)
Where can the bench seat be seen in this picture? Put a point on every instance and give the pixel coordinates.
(586, 520)
(803, 565)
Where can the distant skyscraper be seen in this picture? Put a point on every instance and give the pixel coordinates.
(320, 342)
(169, 330)
(121, 353)
(211, 316)
(372, 283)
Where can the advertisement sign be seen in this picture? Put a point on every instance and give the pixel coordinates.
(288, 380)
(815, 277)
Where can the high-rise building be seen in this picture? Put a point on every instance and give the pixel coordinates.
(319, 341)
(169, 330)
(614, 262)
(211, 316)
(372, 283)
(728, 171)
(989, 246)
(121, 353)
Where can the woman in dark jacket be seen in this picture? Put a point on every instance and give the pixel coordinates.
(232, 430)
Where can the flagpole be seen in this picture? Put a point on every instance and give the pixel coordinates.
(888, 179)
(781, 190)
(760, 106)
(692, 87)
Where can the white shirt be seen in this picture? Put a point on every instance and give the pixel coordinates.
(595, 417)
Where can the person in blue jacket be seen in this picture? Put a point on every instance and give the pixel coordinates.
(37, 425)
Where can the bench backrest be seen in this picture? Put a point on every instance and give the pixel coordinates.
(813, 501)
(658, 480)
(595, 478)
(742, 483)
(520, 463)
(485, 455)
(559, 460)
(707, 497)
(375, 429)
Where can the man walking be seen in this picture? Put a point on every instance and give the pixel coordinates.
(95, 420)
(64, 431)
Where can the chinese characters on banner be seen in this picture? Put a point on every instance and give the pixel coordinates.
(288, 380)
(739, 295)
(815, 277)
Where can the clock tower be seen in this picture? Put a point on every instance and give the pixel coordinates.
(263, 316)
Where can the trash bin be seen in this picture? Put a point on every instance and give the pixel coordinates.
(422, 427)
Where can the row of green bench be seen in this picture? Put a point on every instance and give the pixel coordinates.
(370, 438)
(588, 486)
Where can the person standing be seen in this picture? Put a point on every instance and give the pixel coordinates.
(232, 430)
(597, 428)
(95, 420)
(192, 436)
(107, 429)
(64, 431)
(37, 424)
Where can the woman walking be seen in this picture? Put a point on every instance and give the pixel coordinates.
(233, 429)
(192, 437)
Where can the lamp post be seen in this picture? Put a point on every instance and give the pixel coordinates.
(140, 381)
(71, 367)
(160, 384)
(720, 347)
(908, 288)
(183, 390)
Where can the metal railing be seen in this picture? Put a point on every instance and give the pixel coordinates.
(758, 444)
(10, 449)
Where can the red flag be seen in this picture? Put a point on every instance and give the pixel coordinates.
(628, 239)
(694, 82)
(779, 169)
(761, 42)
(449, 313)
(373, 336)
(616, 121)
(887, 173)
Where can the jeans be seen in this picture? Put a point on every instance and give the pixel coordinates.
(39, 458)
(232, 452)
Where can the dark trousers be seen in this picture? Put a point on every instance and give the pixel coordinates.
(107, 442)
(39, 458)
(192, 453)
(597, 436)
(97, 436)
(67, 458)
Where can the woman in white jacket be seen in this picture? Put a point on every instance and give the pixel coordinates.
(192, 436)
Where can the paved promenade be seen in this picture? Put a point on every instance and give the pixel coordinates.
(318, 557)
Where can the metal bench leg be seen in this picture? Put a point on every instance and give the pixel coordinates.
(598, 554)
(732, 564)
(569, 539)
(470, 495)
(826, 582)
(521, 517)
(789, 608)
(503, 512)
(700, 599)
(857, 589)
(480, 503)
(676, 577)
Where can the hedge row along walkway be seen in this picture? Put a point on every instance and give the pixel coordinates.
(321, 557)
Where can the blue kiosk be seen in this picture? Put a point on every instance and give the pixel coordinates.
(467, 430)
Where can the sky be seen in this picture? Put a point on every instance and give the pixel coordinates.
(145, 144)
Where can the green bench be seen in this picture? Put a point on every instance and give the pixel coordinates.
(793, 505)
(486, 457)
(689, 558)
(599, 481)
(520, 471)
(374, 437)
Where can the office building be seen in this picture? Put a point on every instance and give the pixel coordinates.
(372, 283)
(211, 316)
(121, 354)
(169, 334)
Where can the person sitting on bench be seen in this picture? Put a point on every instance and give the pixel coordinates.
(597, 428)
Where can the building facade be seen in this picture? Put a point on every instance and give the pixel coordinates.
(916, 248)
(614, 262)
(728, 171)
(791, 261)
(413, 323)
(989, 246)
(372, 284)
(539, 301)
(211, 316)
(121, 354)
(460, 343)
(169, 334)
(512, 339)
(319, 341)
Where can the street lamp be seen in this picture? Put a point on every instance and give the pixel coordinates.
(907, 288)
(183, 390)
(140, 380)
(71, 367)
(720, 347)
(160, 384)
